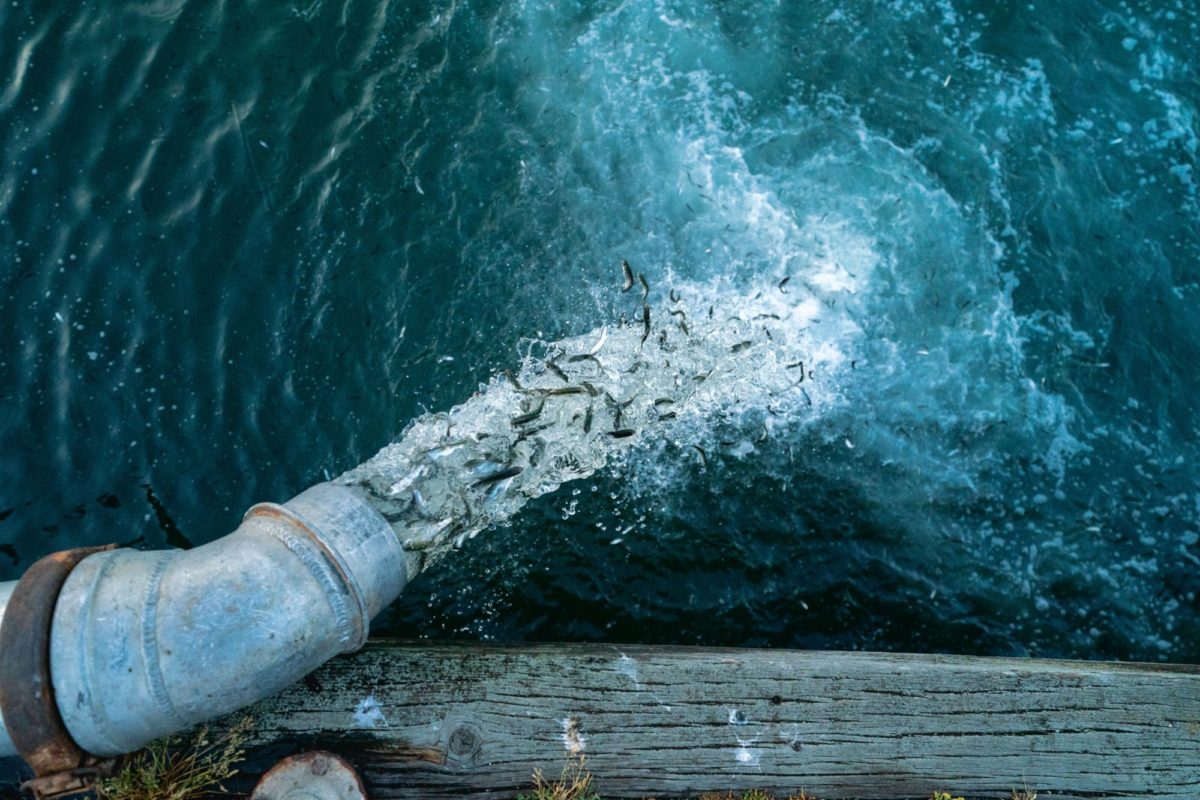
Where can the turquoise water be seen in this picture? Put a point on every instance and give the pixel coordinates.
(245, 244)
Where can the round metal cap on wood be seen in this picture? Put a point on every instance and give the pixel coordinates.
(315, 775)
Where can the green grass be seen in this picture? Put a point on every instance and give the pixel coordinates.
(177, 767)
(575, 783)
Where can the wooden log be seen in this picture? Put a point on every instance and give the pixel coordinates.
(443, 721)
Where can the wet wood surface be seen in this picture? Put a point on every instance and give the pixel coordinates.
(428, 720)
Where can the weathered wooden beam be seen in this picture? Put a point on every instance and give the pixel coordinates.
(441, 720)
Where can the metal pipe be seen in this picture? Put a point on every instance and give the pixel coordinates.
(144, 644)
(6, 744)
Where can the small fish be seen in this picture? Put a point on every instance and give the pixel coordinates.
(427, 538)
(663, 401)
(557, 370)
(740, 346)
(703, 455)
(618, 408)
(591, 390)
(527, 432)
(522, 419)
(603, 338)
(618, 403)
(405, 483)
(481, 466)
(645, 322)
(499, 475)
(627, 271)
(678, 312)
(645, 286)
(766, 316)
(587, 420)
(444, 450)
(562, 390)
(516, 384)
(667, 416)
(622, 433)
(583, 357)
(784, 283)
(675, 296)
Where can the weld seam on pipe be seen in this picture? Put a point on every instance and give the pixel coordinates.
(327, 567)
(152, 665)
(319, 569)
(87, 639)
(340, 578)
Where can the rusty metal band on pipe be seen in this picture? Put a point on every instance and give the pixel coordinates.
(27, 701)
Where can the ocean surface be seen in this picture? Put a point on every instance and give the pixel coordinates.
(243, 245)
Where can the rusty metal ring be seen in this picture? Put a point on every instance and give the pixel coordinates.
(27, 704)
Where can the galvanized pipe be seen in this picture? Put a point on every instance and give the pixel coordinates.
(144, 644)
(6, 745)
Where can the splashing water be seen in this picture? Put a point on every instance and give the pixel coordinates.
(753, 362)
(711, 368)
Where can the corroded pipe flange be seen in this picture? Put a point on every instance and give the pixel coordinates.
(27, 701)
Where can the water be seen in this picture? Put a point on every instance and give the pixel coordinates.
(245, 247)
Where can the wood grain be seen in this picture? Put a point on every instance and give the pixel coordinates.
(441, 720)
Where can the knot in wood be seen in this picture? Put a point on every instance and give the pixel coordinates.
(464, 743)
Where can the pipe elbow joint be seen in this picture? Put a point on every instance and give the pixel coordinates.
(144, 644)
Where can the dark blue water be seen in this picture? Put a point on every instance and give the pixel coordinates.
(245, 243)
